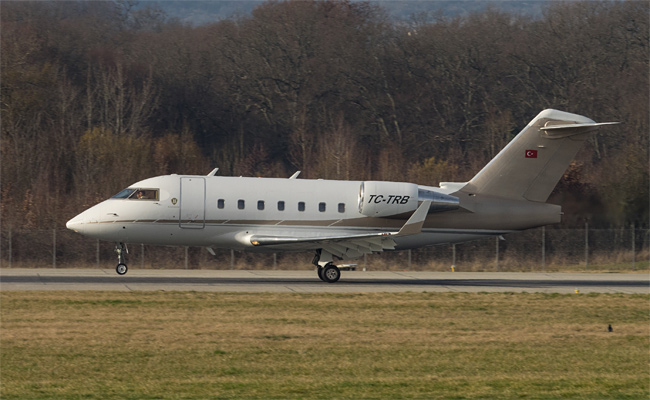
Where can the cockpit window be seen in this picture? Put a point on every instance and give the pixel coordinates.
(124, 194)
(145, 194)
(137, 194)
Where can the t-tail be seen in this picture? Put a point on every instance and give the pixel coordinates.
(530, 166)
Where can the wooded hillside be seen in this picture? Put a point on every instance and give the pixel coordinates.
(98, 95)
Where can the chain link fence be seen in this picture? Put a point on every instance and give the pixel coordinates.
(542, 249)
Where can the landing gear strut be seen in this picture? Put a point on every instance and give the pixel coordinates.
(121, 251)
(327, 271)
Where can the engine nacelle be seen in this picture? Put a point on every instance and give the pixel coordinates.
(383, 199)
(440, 202)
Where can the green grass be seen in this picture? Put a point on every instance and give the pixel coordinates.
(157, 345)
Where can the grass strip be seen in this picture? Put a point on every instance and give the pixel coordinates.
(189, 345)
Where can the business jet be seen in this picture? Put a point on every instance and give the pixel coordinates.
(341, 220)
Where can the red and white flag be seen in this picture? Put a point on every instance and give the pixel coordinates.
(531, 153)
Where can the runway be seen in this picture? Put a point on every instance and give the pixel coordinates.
(308, 282)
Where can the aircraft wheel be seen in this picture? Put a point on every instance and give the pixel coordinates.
(121, 269)
(331, 273)
(320, 273)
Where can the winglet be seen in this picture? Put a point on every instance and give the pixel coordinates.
(414, 224)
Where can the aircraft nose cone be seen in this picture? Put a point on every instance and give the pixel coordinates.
(75, 224)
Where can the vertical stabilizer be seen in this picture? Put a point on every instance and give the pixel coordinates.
(530, 166)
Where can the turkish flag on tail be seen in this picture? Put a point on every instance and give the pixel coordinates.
(531, 153)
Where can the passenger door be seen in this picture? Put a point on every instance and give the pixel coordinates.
(192, 214)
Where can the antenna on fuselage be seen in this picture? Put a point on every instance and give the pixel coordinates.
(295, 175)
(213, 172)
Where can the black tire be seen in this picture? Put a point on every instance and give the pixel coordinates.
(331, 273)
(121, 269)
(320, 273)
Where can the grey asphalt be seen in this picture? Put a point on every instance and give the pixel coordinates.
(308, 282)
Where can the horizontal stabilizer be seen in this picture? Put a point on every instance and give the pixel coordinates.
(559, 131)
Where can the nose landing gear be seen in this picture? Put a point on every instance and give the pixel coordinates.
(121, 269)
(121, 249)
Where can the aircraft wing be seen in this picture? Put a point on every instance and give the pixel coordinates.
(351, 246)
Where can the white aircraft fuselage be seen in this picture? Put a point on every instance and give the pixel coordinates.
(341, 220)
(224, 212)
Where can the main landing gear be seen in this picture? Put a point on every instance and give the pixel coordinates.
(120, 249)
(327, 271)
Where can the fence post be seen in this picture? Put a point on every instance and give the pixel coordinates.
(633, 249)
(10, 249)
(365, 261)
(586, 246)
(409, 254)
(497, 257)
(232, 259)
(275, 260)
(142, 255)
(186, 256)
(97, 255)
(53, 247)
(543, 248)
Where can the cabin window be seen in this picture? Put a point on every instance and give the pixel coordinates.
(260, 205)
(280, 205)
(321, 207)
(221, 203)
(240, 204)
(341, 207)
(301, 206)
